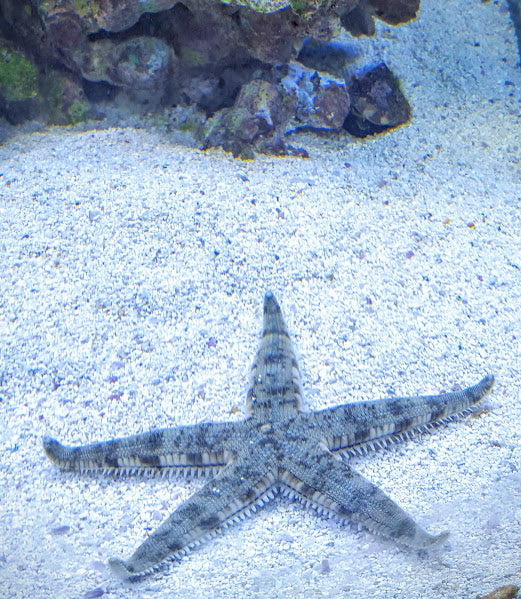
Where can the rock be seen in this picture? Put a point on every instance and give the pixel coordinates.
(18, 74)
(185, 125)
(265, 111)
(18, 84)
(377, 103)
(321, 101)
(394, 12)
(114, 16)
(64, 38)
(268, 37)
(254, 120)
(509, 591)
(201, 37)
(141, 66)
(515, 12)
(360, 21)
(94, 593)
(65, 100)
(331, 57)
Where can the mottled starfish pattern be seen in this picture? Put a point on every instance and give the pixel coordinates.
(278, 448)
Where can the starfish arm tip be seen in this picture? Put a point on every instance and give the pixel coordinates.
(489, 379)
(486, 384)
(434, 545)
(120, 570)
(440, 539)
(439, 543)
(52, 448)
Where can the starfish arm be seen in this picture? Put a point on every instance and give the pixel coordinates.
(348, 426)
(329, 485)
(201, 446)
(237, 491)
(275, 380)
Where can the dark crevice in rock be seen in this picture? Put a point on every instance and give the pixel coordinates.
(99, 91)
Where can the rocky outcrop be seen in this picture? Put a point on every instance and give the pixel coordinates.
(264, 112)
(248, 66)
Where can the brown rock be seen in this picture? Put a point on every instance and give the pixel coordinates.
(509, 591)
(394, 12)
(377, 103)
(359, 20)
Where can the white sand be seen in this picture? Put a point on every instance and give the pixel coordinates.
(397, 262)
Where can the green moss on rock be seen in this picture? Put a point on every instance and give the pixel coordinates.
(82, 7)
(18, 76)
(78, 111)
(261, 6)
(65, 101)
(52, 90)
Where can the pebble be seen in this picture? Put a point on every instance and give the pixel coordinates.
(509, 591)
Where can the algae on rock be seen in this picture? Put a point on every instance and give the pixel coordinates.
(18, 75)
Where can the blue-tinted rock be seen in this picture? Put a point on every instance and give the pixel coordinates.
(515, 13)
(331, 57)
(321, 100)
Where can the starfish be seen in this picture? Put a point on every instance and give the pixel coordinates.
(277, 448)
